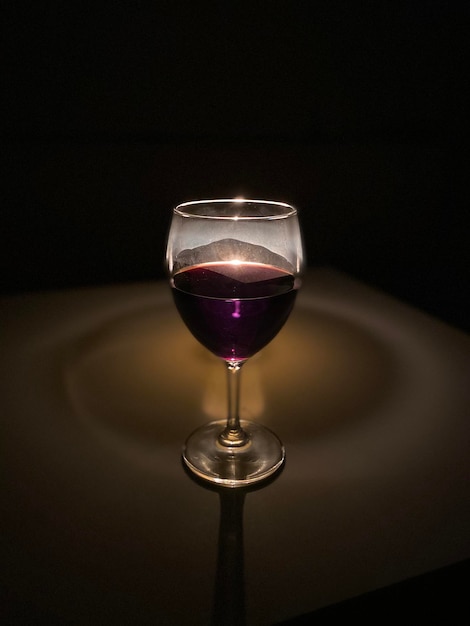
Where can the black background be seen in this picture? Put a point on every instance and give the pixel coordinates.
(356, 112)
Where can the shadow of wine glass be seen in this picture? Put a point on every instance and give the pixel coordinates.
(229, 602)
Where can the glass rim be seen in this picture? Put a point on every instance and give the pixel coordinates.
(284, 210)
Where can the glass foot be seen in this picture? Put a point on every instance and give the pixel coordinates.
(233, 466)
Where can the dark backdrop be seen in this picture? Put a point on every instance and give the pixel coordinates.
(356, 112)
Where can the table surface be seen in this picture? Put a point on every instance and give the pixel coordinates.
(100, 522)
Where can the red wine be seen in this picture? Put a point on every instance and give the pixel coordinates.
(234, 310)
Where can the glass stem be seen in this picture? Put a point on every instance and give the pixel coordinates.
(233, 434)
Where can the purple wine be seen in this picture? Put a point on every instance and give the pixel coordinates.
(234, 309)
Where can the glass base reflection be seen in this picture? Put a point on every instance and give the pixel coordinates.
(233, 466)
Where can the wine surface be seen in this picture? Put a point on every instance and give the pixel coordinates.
(234, 309)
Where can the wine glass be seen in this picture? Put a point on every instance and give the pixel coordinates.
(234, 267)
